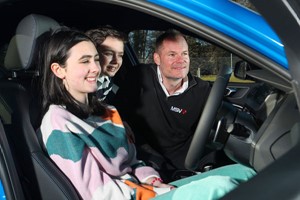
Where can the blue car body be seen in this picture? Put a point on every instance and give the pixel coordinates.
(233, 20)
(2, 194)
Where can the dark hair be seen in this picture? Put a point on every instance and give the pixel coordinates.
(56, 50)
(170, 34)
(98, 35)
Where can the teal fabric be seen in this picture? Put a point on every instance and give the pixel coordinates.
(100, 138)
(209, 185)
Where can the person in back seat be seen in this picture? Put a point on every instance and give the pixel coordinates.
(110, 45)
(87, 140)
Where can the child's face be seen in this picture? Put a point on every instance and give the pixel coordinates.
(82, 70)
(111, 57)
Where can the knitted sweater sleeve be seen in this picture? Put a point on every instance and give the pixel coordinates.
(138, 167)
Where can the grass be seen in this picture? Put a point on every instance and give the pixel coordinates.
(232, 79)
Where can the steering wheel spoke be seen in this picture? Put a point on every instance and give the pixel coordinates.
(207, 118)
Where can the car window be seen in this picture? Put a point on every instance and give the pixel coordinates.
(205, 58)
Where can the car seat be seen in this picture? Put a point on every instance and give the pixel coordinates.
(39, 176)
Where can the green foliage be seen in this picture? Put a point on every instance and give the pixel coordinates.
(205, 58)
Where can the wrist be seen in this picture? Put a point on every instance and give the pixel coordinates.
(155, 181)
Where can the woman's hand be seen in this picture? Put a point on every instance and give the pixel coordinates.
(164, 185)
(158, 182)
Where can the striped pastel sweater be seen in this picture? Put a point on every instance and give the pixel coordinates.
(96, 155)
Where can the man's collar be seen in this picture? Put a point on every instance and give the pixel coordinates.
(184, 86)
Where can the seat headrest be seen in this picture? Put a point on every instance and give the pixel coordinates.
(21, 48)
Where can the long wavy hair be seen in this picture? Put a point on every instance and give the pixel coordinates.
(56, 50)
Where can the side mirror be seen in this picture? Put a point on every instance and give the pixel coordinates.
(241, 68)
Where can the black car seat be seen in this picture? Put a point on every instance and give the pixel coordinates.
(39, 176)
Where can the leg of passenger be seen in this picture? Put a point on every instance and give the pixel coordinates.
(209, 188)
(209, 185)
(238, 172)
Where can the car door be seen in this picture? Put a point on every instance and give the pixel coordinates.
(280, 180)
(10, 187)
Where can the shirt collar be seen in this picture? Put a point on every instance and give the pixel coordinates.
(103, 81)
(102, 78)
(179, 91)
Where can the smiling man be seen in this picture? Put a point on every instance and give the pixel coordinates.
(110, 45)
(163, 102)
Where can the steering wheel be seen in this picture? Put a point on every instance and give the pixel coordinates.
(207, 118)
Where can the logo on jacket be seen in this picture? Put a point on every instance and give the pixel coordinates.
(178, 110)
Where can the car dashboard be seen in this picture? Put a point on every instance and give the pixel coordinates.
(260, 129)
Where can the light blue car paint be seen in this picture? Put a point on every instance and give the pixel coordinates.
(233, 20)
(2, 194)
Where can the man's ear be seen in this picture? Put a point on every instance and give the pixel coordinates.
(58, 70)
(156, 58)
